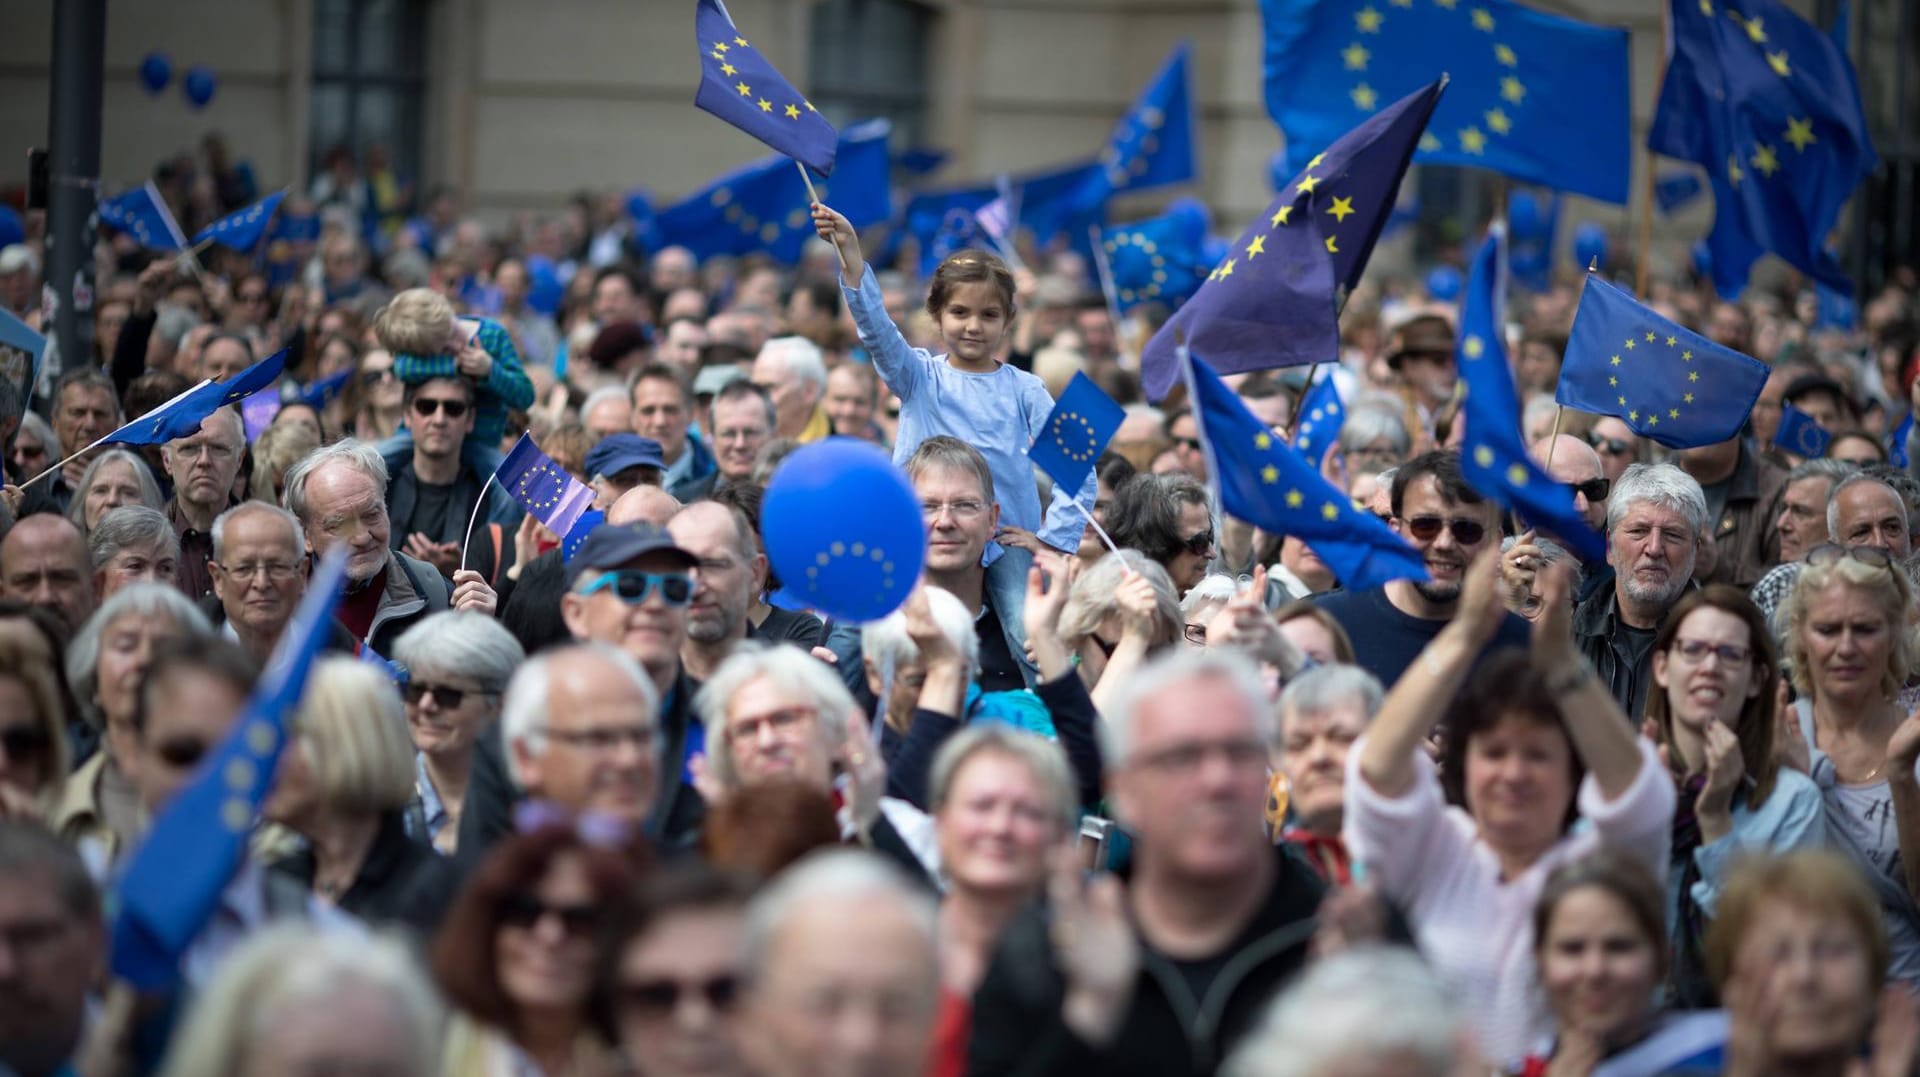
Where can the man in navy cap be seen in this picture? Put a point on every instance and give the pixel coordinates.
(620, 462)
(432, 496)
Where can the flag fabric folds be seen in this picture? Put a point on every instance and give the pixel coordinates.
(1664, 381)
(1152, 145)
(1538, 97)
(181, 417)
(1274, 300)
(1267, 484)
(1494, 456)
(543, 487)
(763, 206)
(243, 229)
(143, 214)
(1078, 428)
(1769, 106)
(174, 878)
(1158, 260)
(1897, 442)
(1799, 434)
(738, 85)
(1317, 425)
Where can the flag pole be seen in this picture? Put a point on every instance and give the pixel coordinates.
(1553, 438)
(62, 463)
(813, 198)
(1105, 272)
(1095, 524)
(475, 518)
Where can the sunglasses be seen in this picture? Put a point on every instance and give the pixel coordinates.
(1199, 545)
(1465, 532)
(1190, 444)
(375, 377)
(443, 697)
(1830, 553)
(424, 406)
(633, 586)
(24, 742)
(181, 753)
(1594, 490)
(1610, 446)
(660, 997)
(526, 910)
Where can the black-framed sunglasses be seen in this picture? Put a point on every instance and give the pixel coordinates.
(445, 698)
(425, 406)
(371, 378)
(1830, 553)
(1610, 446)
(1199, 545)
(22, 742)
(181, 753)
(663, 996)
(526, 910)
(1594, 490)
(1465, 532)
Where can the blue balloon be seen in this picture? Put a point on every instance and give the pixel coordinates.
(1192, 215)
(199, 85)
(155, 72)
(1444, 283)
(1590, 245)
(843, 529)
(1524, 219)
(544, 290)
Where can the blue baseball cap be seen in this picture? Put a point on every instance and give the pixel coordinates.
(613, 545)
(618, 452)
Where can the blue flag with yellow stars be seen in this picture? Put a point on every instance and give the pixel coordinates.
(1078, 428)
(763, 206)
(143, 214)
(243, 229)
(1769, 106)
(1494, 456)
(1152, 145)
(1799, 434)
(174, 878)
(1318, 425)
(545, 489)
(1538, 97)
(1267, 484)
(738, 85)
(1274, 301)
(181, 417)
(1157, 260)
(1666, 382)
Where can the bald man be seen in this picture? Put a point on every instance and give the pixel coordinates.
(1575, 463)
(44, 563)
(643, 505)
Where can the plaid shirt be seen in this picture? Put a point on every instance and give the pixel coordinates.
(506, 385)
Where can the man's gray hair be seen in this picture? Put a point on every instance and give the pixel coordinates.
(1368, 423)
(1044, 760)
(1371, 1004)
(788, 668)
(130, 525)
(887, 640)
(943, 450)
(1855, 479)
(172, 323)
(1662, 484)
(34, 426)
(146, 601)
(524, 709)
(834, 876)
(142, 477)
(461, 643)
(602, 395)
(1213, 587)
(1170, 668)
(1821, 467)
(350, 451)
(1325, 688)
(801, 359)
(294, 533)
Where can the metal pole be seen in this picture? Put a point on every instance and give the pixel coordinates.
(73, 171)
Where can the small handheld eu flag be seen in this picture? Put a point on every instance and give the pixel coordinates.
(1077, 430)
(143, 214)
(741, 87)
(242, 229)
(1799, 434)
(543, 487)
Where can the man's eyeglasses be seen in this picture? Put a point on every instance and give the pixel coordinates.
(1465, 532)
(1697, 650)
(1831, 553)
(780, 721)
(661, 997)
(1594, 490)
(525, 910)
(1197, 635)
(633, 586)
(445, 698)
(1610, 447)
(604, 738)
(425, 406)
(276, 571)
(965, 508)
(1199, 545)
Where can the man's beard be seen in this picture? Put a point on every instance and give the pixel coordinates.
(1440, 594)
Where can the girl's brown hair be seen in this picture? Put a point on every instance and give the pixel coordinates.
(1755, 725)
(1624, 878)
(969, 267)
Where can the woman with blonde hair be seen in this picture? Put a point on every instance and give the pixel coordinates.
(275, 451)
(344, 784)
(1117, 613)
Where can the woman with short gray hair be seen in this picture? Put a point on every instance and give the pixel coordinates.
(115, 478)
(458, 664)
(132, 544)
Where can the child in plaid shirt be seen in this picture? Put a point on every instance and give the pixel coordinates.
(428, 341)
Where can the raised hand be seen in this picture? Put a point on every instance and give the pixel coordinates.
(470, 592)
(834, 227)
(1096, 949)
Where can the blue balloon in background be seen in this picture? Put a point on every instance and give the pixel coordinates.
(1590, 245)
(1192, 215)
(544, 290)
(155, 72)
(1444, 283)
(1524, 219)
(843, 529)
(199, 85)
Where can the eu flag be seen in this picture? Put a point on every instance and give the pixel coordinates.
(1799, 434)
(1152, 145)
(143, 214)
(1494, 456)
(1317, 426)
(290, 241)
(1768, 105)
(1538, 97)
(543, 488)
(1674, 191)
(174, 878)
(1897, 442)
(763, 206)
(1274, 301)
(323, 392)
(1081, 423)
(1157, 260)
(1664, 381)
(1267, 484)
(738, 85)
(243, 229)
(181, 417)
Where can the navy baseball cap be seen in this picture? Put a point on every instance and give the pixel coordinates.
(613, 545)
(618, 452)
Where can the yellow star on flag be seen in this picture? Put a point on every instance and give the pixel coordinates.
(728, 70)
(1613, 383)
(721, 46)
(1800, 133)
(1356, 56)
(1294, 499)
(1315, 163)
(1734, 172)
(1368, 19)
(1483, 19)
(1755, 31)
(1364, 98)
(1331, 248)
(1687, 356)
(745, 90)
(1483, 456)
(1652, 419)
(1517, 475)
(1474, 347)
(1671, 341)
(1673, 413)
(1765, 160)
(1401, 3)
(1472, 141)
(1499, 121)
(1693, 376)
(740, 41)
(1340, 208)
(1280, 216)
(1226, 270)
(1778, 61)
(1513, 89)
(1330, 511)
(1306, 183)
(1630, 344)
(1633, 416)
(1687, 399)
(1269, 474)
(766, 105)
(1256, 248)
(1506, 57)
(1616, 359)
(1706, 7)
(1448, 4)
(793, 113)
(1649, 336)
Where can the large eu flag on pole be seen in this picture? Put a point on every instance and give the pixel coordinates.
(1769, 106)
(1535, 96)
(1274, 301)
(741, 87)
(1152, 145)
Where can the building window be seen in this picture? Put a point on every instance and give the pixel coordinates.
(868, 60)
(369, 62)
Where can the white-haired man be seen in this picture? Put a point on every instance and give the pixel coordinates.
(203, 466)
(1656, 521)
(792, 372)
(581, 729)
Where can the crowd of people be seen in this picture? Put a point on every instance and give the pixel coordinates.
(1187, 806)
